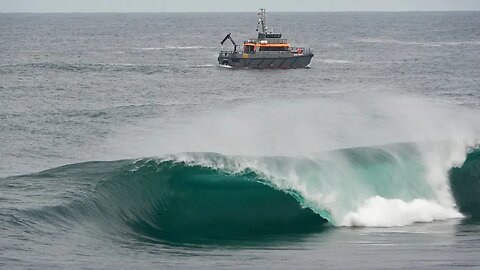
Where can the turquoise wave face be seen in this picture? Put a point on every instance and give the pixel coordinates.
(465, 185)
(172, 200)
(206, 195)
(175, 201)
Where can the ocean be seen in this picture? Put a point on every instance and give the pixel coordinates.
(124, 145)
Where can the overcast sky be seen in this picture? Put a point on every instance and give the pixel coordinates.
(229, 5)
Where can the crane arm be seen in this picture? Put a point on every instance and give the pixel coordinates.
(231, 40)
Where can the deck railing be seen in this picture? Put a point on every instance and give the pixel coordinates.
(299, 50)
(269, 40)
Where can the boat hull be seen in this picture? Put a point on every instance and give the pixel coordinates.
(248, 61)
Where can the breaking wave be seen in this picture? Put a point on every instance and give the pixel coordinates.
(191, 195)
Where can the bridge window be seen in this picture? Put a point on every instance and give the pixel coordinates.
(267, 48)
(248, 49)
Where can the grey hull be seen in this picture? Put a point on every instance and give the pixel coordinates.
(297, 61)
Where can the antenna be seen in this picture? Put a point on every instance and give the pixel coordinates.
(262, 21)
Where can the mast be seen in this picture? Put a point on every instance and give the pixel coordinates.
(262, 21)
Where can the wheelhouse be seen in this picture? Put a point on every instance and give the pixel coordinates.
(259, 47)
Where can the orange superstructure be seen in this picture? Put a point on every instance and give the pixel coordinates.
(249, 47)
(267, 45)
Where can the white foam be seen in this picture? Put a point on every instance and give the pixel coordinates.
(225, 66)
(381, 212)
(201, 66)
(333, 61)
(150, 48)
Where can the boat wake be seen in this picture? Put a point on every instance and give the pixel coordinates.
(334, 61)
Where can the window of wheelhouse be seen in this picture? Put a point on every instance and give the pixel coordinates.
(273, 48)
(248, 49)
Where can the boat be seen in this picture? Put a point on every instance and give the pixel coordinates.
(268, 50)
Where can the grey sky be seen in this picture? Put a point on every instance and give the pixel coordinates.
(229, 5)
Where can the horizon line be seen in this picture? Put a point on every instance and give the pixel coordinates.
(316, 11)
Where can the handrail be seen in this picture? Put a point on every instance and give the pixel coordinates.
(269, 40)
(292, 50)
(231, 52)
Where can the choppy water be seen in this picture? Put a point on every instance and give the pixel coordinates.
(124, 145)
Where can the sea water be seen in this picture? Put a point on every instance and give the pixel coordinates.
(123, 144)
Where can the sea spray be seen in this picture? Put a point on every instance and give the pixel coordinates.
(300, 126)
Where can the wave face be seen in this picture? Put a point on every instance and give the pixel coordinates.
(196, 195)
(170, 199)
(465, 184)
